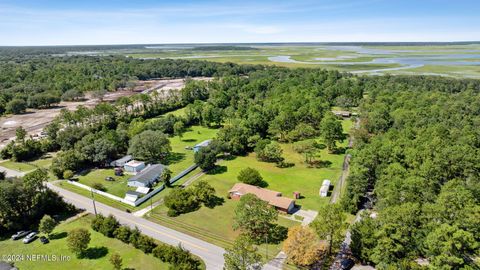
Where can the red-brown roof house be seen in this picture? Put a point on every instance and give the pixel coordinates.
(273, 198)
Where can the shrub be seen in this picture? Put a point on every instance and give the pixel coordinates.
(68, 174)
(97, 222)
(123, 233)
(99, 186)
(180, 201)
(146, 244)
(109, 225)
(251, 176)
(177, 256)
(78, 240)
(134, 237)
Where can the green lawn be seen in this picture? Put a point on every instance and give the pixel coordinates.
(18, 166)
(120, 205)
(100, 246)
(118, 187)
(99, 198)
(182, 158)
(43, 162)
(215, 225)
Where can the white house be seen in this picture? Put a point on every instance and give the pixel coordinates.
(134, 166)
(325, 188)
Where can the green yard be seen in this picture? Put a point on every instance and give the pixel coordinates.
(118, 187)
(18, 166)
(182, 158)
(215, 225)
(100, 249)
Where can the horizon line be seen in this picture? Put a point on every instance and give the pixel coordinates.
(463, 42)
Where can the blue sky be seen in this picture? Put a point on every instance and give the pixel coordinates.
(68, 22)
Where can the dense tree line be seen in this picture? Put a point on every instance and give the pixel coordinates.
(177, 257)
(276, 104)
(23, 202)
(39, 82)
(417, 159)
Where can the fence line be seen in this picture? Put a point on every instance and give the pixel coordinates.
(144, 198)
(108, 195)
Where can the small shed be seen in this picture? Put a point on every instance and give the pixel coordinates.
(296, 195)
(121, 161)
(200, 145)
(325, 188)
(134, 166)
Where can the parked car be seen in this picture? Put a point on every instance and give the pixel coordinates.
(347, 264)
(44, 240)
(19, 235)
(30, 238)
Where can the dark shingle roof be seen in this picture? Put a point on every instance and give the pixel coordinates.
(122, 160)
(149, 173)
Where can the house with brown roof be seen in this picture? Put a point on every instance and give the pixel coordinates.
(273, 198)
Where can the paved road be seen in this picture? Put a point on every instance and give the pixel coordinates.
(11, 173)
(212, 255)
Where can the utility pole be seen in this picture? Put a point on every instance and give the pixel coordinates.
(93, 200)
(266, 247)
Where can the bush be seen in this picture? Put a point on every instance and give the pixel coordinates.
(78, 240)
(251, 176)
(97, 222)
(109, 225)
(123, 233)
(206, 158)
(177, 256)
(99, 186)
(134, 237)
(68, 174)
(16, 106)
(146, 244)
(180, 201)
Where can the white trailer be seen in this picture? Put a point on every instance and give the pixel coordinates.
(325, 188)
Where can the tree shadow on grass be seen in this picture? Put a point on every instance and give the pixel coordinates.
(84, 172)
(277, 234)
(218, 170)
(189, 140)
(56, 236)
(228, 157)
(339, 151)
(175, 158)
(215, 201)
(95, 253)
(320, 164)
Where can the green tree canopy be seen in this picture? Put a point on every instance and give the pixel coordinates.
(150, 146)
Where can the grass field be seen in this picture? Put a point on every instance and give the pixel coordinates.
(183, 158)
(118, 187)
(362, 57)
(100, 250)
(18, 166)
(215, 225)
